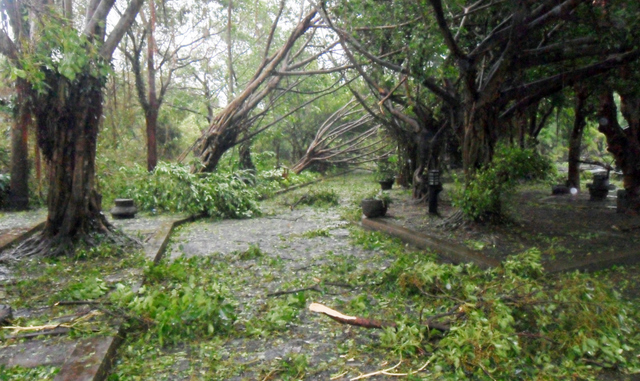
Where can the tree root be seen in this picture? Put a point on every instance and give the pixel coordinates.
(42, 246)
(453, 222)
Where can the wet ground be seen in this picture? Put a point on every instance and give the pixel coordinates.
(298, 249)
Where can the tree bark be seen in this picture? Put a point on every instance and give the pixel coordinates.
(480, 136)
(623, 144)
(19, 188)
(244, 151)
(575, 139)
(151, 113)
(67, 133)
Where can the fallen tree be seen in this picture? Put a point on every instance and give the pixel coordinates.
(343, 138)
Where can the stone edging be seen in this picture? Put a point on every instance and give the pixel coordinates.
(461, 254)
(451, 251)
(20, 236)
(79, 366)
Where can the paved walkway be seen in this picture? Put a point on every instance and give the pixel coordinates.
(298, 249)
(85, 359)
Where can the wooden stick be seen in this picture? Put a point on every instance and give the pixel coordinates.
(365, 323)
(376, 373)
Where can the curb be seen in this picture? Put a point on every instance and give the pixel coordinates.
(96, 366)
(455, 253)
(21, 234)
(461, 254)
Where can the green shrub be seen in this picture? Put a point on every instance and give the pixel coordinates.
(173, 188)
(481, 199)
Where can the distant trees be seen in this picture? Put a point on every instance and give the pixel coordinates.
(171, 48)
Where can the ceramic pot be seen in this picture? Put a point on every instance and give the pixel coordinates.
(373, 208)
(124, 208)
(386, 184)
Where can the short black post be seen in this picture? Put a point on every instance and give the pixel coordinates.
(433, 180)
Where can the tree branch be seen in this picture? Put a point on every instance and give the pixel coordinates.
(120, 29)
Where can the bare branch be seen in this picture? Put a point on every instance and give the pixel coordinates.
(120, 29)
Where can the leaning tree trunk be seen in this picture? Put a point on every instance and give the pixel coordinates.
(67, 118)
(623, 144)
(211, 148)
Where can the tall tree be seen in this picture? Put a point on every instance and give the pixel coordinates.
(167, 51)
(65, 69)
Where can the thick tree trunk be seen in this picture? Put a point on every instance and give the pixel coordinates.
(214, 146)
(19, 187)
(575, 139)
(480, 137)
(623, 144)
(68, 117)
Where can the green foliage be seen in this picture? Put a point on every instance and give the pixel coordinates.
(481, 199)
(322, 232)
(58, 48)
(253, 252)
(323, 197)
(514, 320)
(272, 180)
(89, 289)
(277, 315)
(293, 366)
(386, 168)
(173, 188)
(384, 196)
(179, 306)
(19, 373)
(406, 339)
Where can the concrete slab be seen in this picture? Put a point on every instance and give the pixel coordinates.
(30, 354)
(90, 360)
(16, 235)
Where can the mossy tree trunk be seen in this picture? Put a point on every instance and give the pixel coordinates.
(67, 119)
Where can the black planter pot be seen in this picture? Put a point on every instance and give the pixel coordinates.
(373, 208)
(124, 208)
(386, 184)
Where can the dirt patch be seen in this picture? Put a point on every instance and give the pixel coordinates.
(563, 228)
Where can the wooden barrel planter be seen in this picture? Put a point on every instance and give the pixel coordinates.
(373, 208)
(124, 208)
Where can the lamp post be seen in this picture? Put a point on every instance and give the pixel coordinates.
(435, 186)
